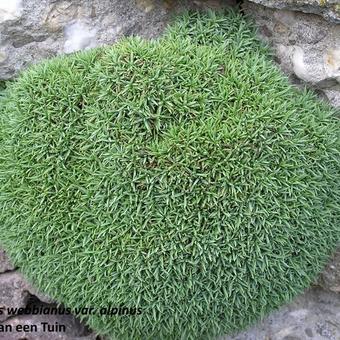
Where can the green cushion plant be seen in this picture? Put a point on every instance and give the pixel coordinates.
(183, 176)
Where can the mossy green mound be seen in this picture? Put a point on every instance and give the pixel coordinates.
(183, 176)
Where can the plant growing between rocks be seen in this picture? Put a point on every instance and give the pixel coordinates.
(183, 176)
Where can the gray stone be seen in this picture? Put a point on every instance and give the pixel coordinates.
(16, 292)
(330, 277)
(13, 292)
(329, 9)
(306, 46)
(40, 296)
(313, 315)
(37, 328)
(5, 264)
(65, 26)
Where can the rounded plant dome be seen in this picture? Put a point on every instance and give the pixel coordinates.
(182, 181)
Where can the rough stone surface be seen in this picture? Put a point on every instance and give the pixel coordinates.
(64, 26)
(16, 292)
(330, 277)
(5, 264)
(13, 292)
(314, 315)
(329, 9)
(74, 329)
(40, 296)
(306, 46)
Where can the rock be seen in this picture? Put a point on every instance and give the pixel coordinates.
(5, 264)
(313, 315)
(40, 296)
(16, 293)
(306, 46)
(16, 277)
(329, 9)
(10, 10)
(330, 277)
(39, 327)
(13, 292)
(65, 26)
(79, 37)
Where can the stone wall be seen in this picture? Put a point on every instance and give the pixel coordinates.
(306, 46)
(31, 30)
(329, 9)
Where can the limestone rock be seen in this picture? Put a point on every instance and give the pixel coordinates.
(16, 292)
(40, 296)
(306, 46)
(13, 292)
(65, 26)
(74, 330)
(330, 277)
(10, 9)
(313, 315)
(329, 9)
(5, 264)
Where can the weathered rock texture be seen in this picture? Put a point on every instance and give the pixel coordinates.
(330, 277)
(31, 30)
(329, 9)
(313, 315)
(16, 292)
(74, 329)
(5, 264)
(306, 46)
(13, 292)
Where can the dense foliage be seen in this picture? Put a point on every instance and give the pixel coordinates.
(182, 176)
